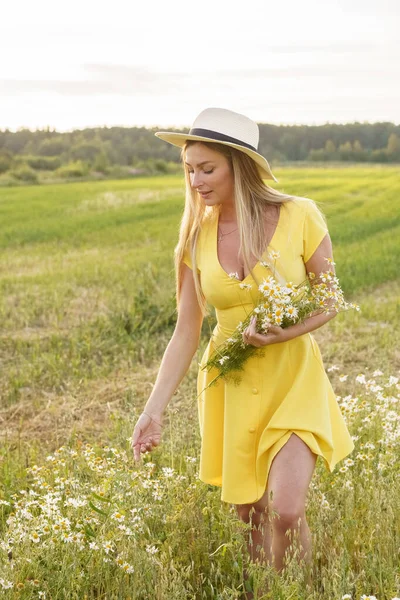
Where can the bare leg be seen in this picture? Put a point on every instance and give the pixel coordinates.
(259, 541)
(260, 538)
(289, 478)
(281, 507)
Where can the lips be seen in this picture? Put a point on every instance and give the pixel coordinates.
(205, 194)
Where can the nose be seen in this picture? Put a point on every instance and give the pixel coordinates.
(196, 180)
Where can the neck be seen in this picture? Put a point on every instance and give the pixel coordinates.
(227, 214)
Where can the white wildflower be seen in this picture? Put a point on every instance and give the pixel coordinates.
(168, 471)
(117, 516)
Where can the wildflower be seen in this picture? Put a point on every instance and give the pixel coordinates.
(289, 287)
(93, 546)
(275, 254)
(127, 567)
(108, 547)
(245, 286)
(118, 517)
(75, 502)
(168, 472)
(333, 368)
(361, 378)
(363, 597)
(151, 549)
(343, 377)
(346, 597)
(191, 459)
(277, 305)
(6, 585)
(291, 312)
(234, 276)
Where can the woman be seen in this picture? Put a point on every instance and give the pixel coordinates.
(260, 439)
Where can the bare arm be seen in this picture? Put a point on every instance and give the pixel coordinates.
(180, 350)
(276, 334)
(316, 264)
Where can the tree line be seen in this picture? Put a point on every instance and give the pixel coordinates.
(125, 151)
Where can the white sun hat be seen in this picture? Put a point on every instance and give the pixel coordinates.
(226, 127)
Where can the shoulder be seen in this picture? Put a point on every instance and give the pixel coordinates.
(302, 204)
(306, 209)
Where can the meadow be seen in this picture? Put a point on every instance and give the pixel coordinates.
(87, 308)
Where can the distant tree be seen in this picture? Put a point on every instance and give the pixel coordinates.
(73, 169)
(317, 155)
(5, 161)
(359, 153)
(393, 147)
(25, 173)
(52, 146)
(44, 163)
(345, 151)
(85, 151)
(379, 156)
(289, 146)
(330, 150)
(101, 162)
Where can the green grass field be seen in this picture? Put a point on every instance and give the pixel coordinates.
(86, 310)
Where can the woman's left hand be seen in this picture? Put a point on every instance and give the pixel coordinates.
(275, 335)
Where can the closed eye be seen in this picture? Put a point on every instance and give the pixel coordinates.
(206, 172)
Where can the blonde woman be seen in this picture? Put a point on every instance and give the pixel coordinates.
(260, 439)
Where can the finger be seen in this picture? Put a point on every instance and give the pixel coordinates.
(252, 326)
(136, 452)
(136, 433)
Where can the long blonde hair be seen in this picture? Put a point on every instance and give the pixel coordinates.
(252, 200)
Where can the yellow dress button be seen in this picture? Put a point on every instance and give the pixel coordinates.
(254, 391)
(252, 429)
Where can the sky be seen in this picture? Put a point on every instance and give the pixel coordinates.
(87, 64)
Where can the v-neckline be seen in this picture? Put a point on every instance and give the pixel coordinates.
(258, 262)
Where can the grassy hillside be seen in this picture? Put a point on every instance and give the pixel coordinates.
(86, 310)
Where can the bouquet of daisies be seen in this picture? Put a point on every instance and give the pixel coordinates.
(282, 305)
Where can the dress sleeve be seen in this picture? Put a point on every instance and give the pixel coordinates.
(314, 230)
(186, 258)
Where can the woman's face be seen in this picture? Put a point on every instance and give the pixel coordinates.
(214, 176)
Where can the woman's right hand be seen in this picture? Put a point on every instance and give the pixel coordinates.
(146, 434)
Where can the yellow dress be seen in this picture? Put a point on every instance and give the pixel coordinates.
(284, 391)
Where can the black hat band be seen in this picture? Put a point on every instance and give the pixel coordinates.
(216, 135)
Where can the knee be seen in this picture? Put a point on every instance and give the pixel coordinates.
(248, 513)
(287, 516)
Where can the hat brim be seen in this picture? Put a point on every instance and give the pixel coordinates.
(178, 139)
